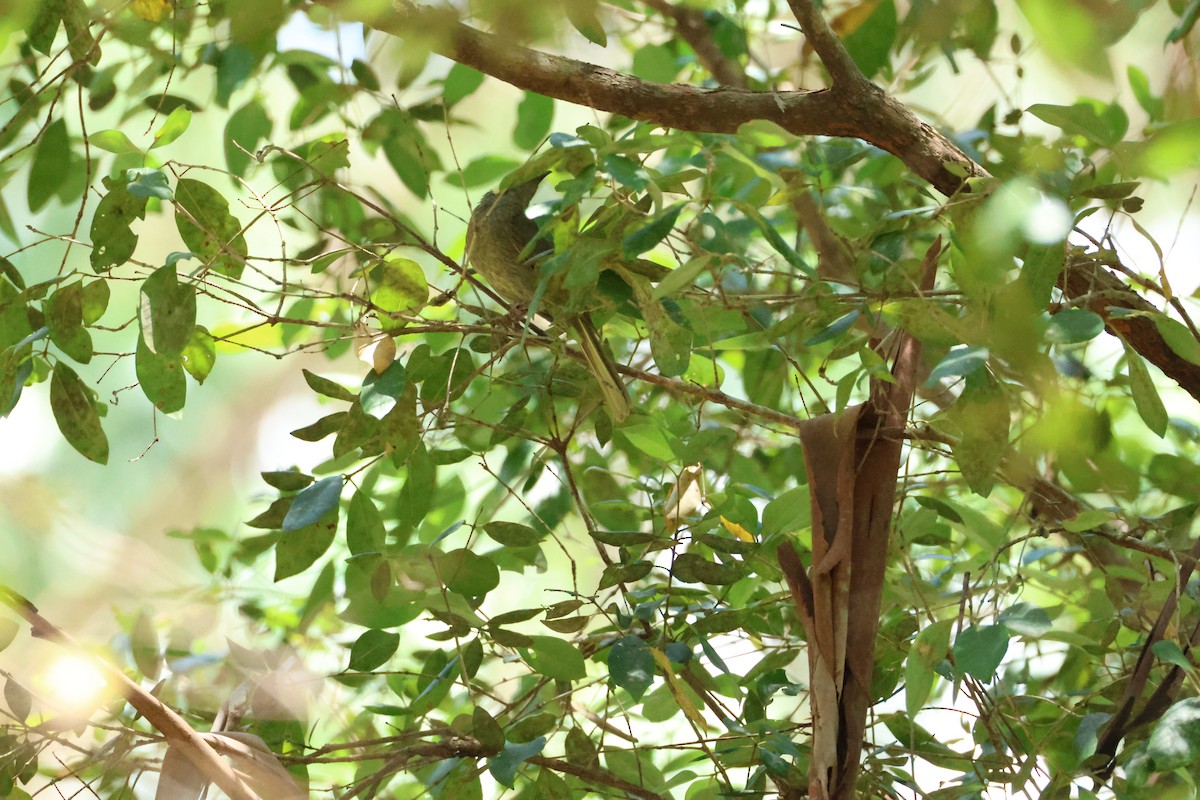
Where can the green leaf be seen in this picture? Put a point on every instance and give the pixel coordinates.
(682, 276)
(1025, 619)
(113, 141)
(631, 572)
(1111, 191)
(694, 568)
(51, 164)
(655, 62)
(208, 229)
(323, 427)
(314, 503)
(928, 650)
(44, 27)
(631, 665)
(787, 513)
(18, 698)
(8, 632)
(287, 480)
(834, 329)
(365, 76)
(1140, 84)
(76, 415)
(870, 44)
(1074, 325)
(1174, 474)
(959, 362)
(148, 183)
(584, 18)
(1087, 520)
(1080, 119)
(236, 62)
(365, 532)
(535, 116)
(1187, 21)
(486, 730)
(173, 127)
(982, 415)
(406, 150)
(64, 315)
(1169, 652)
(380, 392)
(1145, 395)
(145, 646)
(80, 42)
(373, 649)
(199, 354)
(460, 82)
(529, 728)
(467, 573)
(505, 765)
(326, 387)
(653, 232)
(93, 301)
(513, 534)
(580, 749)
(670, 342)
(917, 739)
(486, 170)
(167, 312)
(113, 240)
(297, 551)
(551, 787)
(978, 650)
(1175, 740)
(161, 378)
(246, 127)
(1039, 271)
(1178, 337)
(556, 659)
(651, 439)
(397, 285)
(9, 270)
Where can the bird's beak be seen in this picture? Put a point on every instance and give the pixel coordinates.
(525, 190)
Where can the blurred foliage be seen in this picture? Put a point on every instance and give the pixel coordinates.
(487, 574)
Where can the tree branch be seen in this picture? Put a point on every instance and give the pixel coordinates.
(692, 27)
(190, 743)
(1085, 278)
(857, 109)
(843, 71)
(854, 108)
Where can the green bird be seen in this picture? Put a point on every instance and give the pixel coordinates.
(498, 246)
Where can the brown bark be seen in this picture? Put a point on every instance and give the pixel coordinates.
(851, 107)
(1084, 277)
(853, 472)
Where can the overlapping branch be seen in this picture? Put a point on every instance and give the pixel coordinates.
(856, 108)
(852, 107)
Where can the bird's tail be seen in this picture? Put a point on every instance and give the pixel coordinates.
(603, 369)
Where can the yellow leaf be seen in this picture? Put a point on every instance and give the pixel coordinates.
(681, 699)
(151, 10)
(737, 530)
(849, 20)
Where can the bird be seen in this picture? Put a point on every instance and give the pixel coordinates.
(499, 235)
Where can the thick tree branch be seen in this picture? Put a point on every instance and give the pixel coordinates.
(858, 109)
(1085, 278)
(854, 108)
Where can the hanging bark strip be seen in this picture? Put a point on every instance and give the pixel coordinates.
(852, 477)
